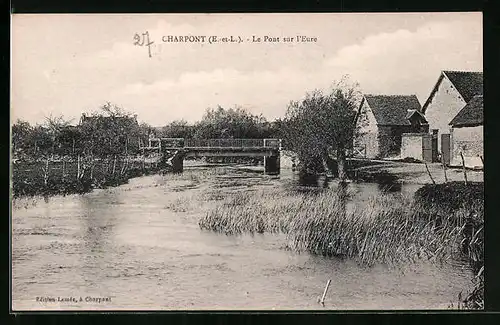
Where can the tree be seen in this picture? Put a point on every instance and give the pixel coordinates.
(230, 123)
(21, 136)
(111, 130)
(55, 125)
(178, 129)
(321, 125)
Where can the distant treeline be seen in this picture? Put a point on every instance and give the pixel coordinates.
(113, 131)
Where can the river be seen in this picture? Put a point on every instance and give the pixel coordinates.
(139, 247)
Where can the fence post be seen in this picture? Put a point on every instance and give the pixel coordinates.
(46, 172)
(427, 168)
(463, 167)
(78, 167)
(444, 168)
(114, 166)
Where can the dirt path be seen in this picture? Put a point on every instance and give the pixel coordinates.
(416, 173)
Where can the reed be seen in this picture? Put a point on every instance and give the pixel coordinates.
(393, 229)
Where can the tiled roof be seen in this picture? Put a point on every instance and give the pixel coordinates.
(467, 83)
(471, 114)
(392, 109)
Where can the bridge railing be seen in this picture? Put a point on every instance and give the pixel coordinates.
(219, 143)
(224, 143)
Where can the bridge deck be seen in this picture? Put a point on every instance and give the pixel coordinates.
(214, 144)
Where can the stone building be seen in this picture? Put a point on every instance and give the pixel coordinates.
(453, 90)
(383, 119)
(467, 134)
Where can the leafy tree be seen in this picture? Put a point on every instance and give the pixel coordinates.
(229, 123)
(42, 140)
(54, 125)
(178, 129)
(321, 125)
(21, 136)
(112, 130)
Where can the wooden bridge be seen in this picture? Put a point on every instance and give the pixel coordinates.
(174, 150)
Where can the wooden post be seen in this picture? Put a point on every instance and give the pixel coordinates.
(46, 172)
(78, 168)
(114, 166)
(482, 161)
(324, 292)
(91, 167)
(63, 169)
(428, 172)
(444, 168)
(463, 167)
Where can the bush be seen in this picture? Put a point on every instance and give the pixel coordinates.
(451, 196)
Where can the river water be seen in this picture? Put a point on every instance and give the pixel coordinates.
(139, 247)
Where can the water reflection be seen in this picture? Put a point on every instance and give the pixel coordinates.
(391, 188)
(307, 182)
(97, 228)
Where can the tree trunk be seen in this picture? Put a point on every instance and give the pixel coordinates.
(341, 162)
(78, 168)
(114, 166)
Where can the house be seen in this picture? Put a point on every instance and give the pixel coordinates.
(383, 119)
(453, 90)
(467, 134)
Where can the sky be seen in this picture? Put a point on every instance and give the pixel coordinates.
(69, 64)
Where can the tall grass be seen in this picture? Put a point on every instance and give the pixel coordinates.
(393, 229)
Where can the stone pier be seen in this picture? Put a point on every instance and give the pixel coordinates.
(272, 165)
(176, 161)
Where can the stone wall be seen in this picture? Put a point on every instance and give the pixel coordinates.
(370, 142)
(368, 127)
(468, 140)
(411, 146)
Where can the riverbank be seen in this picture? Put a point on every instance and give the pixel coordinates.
(47, 178)
(414, 173)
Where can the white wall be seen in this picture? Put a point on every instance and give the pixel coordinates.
(411, 146)
(445, 105)
(369, 128)
(470, 141)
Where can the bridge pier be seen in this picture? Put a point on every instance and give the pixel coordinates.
(272, 165)
(177, 164)
(176, 161)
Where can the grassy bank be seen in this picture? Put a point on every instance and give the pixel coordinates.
(42, 178)
(392, 230)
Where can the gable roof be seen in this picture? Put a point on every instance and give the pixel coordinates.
(471, 114)
(393, 109)
(467, 83)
